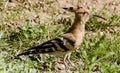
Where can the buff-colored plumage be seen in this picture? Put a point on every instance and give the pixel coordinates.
(67, 42)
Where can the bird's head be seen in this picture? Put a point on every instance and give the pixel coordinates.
(82, 13)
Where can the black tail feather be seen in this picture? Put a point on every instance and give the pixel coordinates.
(24, 53)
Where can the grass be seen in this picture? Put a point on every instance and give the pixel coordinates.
(99, 52)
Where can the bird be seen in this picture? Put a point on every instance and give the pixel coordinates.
(67, 42)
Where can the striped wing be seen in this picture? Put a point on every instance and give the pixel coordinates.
(60, 44)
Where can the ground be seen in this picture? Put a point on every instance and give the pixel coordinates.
(26, 23)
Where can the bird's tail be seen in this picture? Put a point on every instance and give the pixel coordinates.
(27, 52)
(33, 50)
(24, 53)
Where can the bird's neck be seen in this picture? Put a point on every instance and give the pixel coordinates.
(78, 26)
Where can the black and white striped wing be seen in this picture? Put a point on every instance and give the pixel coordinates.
(60, 44)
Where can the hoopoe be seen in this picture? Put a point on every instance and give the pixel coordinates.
(67, 42)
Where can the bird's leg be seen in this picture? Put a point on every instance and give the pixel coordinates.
(64, 60)
(68, 58)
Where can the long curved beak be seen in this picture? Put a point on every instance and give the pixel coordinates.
(73, 9)
(98, 16)
(65, 8)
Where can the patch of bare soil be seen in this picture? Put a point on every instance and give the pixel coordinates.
(14, 12)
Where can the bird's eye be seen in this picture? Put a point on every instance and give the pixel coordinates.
(71, 8)
(84, 12)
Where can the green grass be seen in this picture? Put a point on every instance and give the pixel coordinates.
(99, 52)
